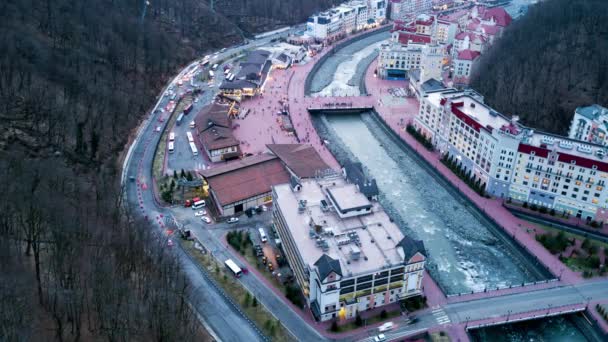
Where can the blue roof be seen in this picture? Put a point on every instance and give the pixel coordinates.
(591, 112)
(432, 85)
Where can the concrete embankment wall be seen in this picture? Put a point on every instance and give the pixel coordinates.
(519, 251)
(335, 49)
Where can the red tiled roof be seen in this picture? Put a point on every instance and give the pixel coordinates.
(583, 162)
(465, 118)
(468, 55)
(528, 149)
(246, 178)
(405, 38)
(499, 14)
(302, 159)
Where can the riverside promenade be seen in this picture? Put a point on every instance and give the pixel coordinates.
(261, 126)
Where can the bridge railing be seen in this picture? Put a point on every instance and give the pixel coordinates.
(500, 288)
(556, 311)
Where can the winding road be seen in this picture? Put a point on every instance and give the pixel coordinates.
(225, 321)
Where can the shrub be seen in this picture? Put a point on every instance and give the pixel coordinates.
(542, 210)
(254, 302)
(534, 207)
(594, 224)
(383, 314)
(552, 212)
(525, 205)
(358, 320)
(334, 326)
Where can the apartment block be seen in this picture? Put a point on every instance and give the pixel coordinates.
(511, 160)
(590, 124)
(347, 255)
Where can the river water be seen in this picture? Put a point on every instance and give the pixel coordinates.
(464, 254)
(554, 329)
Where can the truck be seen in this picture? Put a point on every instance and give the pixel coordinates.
(179, 119)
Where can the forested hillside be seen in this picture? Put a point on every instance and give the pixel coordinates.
(75, 79)
(548, 63)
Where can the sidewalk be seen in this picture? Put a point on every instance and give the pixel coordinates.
(322, 327)
(492, 207)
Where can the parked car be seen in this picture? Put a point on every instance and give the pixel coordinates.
(206, 219)
(233, 220)
(380, 338)
(244, 270)
(170, 243)
(200, 213)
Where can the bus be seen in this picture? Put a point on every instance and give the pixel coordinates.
(190, 138)
(198, 204)
(263, 235)
(180, 118)
(214, 67)
(226, 72)
(193, 148)
(231, 78)
(171, 147)
(211, 74)
(232, 266)
(171, 136)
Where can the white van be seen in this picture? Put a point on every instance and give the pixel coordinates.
(263, 236)
(385, 327)
(198, 204)
(171, 136)
(192, 124)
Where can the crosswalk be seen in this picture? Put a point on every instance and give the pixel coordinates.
(441, 316)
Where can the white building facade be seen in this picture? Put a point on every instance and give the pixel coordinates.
(335, 240)
(513, 161)
(590, 124)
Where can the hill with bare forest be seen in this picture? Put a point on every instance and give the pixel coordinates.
(76, 77)
(548, 63)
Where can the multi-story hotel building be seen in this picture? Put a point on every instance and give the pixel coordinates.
(590, 124)
(346, 253)
(343, 19)
(511, 160)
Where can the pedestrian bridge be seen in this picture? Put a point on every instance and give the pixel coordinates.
(351, 104)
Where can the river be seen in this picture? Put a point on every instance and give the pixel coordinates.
(464, 254)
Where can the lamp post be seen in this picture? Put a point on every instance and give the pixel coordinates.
(467, 322)
(588, 300)
(549, 308)
(509, 314)
(561, 271)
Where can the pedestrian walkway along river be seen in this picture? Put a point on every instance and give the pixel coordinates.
(465, 254)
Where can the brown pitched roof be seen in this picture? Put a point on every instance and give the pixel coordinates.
(301, 159)
(245, 178)
(214, 127)
(218, 137)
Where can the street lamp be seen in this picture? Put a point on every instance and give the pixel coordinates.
(549, 308)
(467, 322)
(588, 300)
(509, 314)
(561, 271)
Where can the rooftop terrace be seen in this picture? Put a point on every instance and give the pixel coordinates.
(362, 244)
